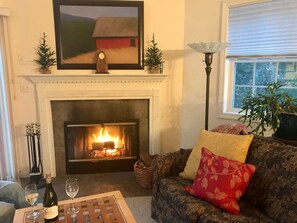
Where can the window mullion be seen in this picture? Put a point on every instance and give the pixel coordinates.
(276, 72)
(254, 80)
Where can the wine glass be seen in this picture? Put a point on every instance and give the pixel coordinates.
(71, 188)
(31, 196)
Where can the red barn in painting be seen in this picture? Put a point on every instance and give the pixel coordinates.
(116, 32)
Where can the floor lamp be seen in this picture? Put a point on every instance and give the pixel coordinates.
(208, 49)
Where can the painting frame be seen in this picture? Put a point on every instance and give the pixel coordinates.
(115, 27)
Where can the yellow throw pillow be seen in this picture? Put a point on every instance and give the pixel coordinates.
(228, 145)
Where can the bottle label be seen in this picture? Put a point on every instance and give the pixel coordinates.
(50, 212)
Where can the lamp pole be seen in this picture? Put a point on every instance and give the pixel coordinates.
(208, 49)
(208, 62)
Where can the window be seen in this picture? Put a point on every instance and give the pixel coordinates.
(263, 49)
(254, 76)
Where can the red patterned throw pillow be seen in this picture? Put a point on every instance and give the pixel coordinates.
(221, 181)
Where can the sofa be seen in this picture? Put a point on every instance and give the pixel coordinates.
(271, 195)
(12, 196)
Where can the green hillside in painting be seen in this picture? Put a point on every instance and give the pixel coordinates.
(76, 36)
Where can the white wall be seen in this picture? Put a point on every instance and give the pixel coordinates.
(202, 24)
(175, 24)
(30, 18)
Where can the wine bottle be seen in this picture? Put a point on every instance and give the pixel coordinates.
(50, 201)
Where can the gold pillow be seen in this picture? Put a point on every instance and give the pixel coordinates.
(228, 145)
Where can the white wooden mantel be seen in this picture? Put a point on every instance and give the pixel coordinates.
(96, 78)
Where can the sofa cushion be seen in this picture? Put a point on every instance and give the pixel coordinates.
(192, 209)
(228, 145)
(248, 214)
(188, 207)
(7, 211)
(274, 162)
(221, 181)
(282, 198)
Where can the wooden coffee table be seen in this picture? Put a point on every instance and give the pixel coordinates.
(107, 207)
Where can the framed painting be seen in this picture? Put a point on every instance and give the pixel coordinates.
(85, 27)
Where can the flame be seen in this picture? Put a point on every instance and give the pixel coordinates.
(104, 136)
(110, 151)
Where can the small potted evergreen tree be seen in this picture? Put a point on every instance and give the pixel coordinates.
(45, 56)
(153, 57)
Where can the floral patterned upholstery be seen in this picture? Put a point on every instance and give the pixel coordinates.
(270, 197)
(232, 128)
(172, 189)
(273, 188)
(249, 214)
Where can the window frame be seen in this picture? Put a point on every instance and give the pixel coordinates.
(226, 81)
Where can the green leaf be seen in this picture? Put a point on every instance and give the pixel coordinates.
(266, 108)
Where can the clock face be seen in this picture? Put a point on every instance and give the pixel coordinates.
(101, 55)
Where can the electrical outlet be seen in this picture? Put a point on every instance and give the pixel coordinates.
(24, 87)
(21, 59)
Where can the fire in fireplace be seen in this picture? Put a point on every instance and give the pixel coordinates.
(94, 147)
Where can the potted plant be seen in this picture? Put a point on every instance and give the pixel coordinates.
(45, 56)
(153, 57)
(268, 109)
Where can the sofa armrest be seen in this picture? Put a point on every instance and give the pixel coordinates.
(170, 164)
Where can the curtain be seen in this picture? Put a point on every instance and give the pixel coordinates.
(267, 28)
(3, 168)
(7, 169)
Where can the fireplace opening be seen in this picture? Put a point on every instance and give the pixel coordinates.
(92, 147)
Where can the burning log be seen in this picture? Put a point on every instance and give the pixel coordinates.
(103, 145)
(109, 145)
(98, 145)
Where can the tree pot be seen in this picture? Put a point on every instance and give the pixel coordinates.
(154, 69)
(288, 127)
(45, 71)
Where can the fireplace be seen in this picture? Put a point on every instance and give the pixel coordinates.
(92, 147)
(55, 88)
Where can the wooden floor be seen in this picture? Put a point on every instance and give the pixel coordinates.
(98, 183)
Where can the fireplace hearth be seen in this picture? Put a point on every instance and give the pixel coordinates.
(96, 146)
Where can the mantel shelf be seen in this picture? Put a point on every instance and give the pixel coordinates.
(94, 78)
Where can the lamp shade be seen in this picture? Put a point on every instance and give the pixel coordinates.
(210, 47)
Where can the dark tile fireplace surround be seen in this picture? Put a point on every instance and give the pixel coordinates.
(99, 111)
